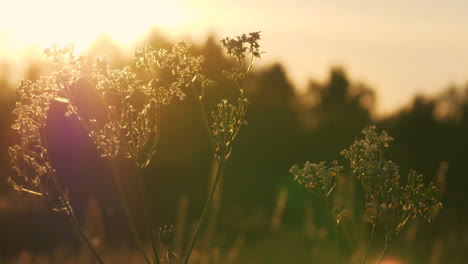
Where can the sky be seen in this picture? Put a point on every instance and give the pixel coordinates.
(400, 48)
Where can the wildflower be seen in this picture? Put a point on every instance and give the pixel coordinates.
(227, 118)
(402, 205)
(317, 178)
(240, 45)
(227, 121)
(379, 177)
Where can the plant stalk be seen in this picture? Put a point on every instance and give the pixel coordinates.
(384, 251)
(205, 121)
(148, 218)
(371, 236)
(72, 218)
(333, 229)
(68, 208)
(130, 219)
(205, 209)
(78, 227)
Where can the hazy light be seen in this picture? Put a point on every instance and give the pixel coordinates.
(49, 22)
(398, 47)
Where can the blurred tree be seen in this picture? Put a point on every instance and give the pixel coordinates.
(336, 113)
(267, 146)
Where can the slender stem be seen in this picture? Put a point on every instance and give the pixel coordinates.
(205, 120)
(148, 218)
(218, 172)
(66, 202)
(80, 231)
(205, 209)
(388, 240)
(169, 257)
(333, 229)
(337, 242)
(130, 219)
(384, 251)
(71, 216)
(156, 136)
(221, 159)
(372, 235)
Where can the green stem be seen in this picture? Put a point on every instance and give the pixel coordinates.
(130, 219)
(205, 209)
(169, 257)
(205, 120)
(333, 229)
(148, 217)
(71, 216)
(371, 236)
(66, 203)
(78, 227)
(384, 251)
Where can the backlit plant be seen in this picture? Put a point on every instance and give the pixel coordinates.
(132, 102)
(227, 118)
(399, 204)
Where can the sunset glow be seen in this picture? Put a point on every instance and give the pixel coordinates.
(49, 22)
(400, 48)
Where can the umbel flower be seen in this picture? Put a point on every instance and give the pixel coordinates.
(402, 204)
(30, 157)
(379, 177)
(320, 180)
(241, 45)
(227, 118)
(317, 178)
(132, 125)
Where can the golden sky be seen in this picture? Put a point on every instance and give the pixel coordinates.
(398, 47)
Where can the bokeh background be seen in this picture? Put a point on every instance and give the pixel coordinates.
(330, 69)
